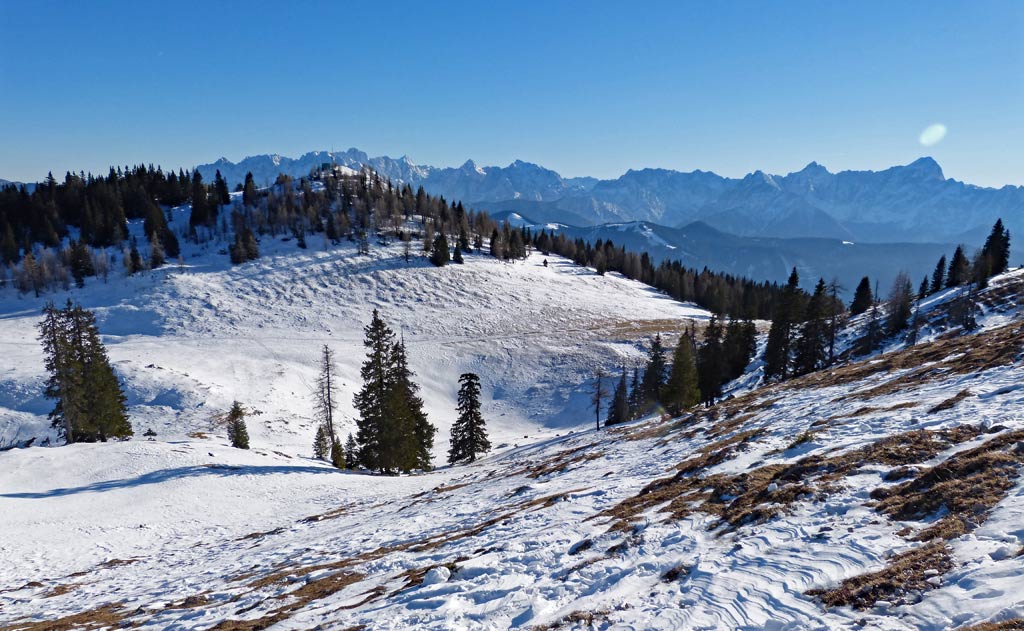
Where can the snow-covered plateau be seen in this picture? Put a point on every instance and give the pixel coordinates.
(882, 494)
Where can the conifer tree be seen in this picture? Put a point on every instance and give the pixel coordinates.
(683, 388)
(414, 434)
(90, 404)
(469, 433)
(959, 269)
(997, 249)
(351, 452)
(457, 256)
(220, 187)
(923, 288)
(654, 377)
(325, 398)
(337, 454)
(439, 255)
(618, 411)
(238, 434)
(156, 251)
(873, 333)
(938, 276)
(321, 443)
(711, 363)
(862, 297)
(777, 355)
(739, 346)
(249, 191)
(813, 340)
(371, 400)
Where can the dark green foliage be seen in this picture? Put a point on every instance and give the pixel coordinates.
(393, 431)
(618, 411)
(812, 343)
(635, 398)
(337, 454)
(157, 256)
(238, 434)
(996, 251)
(457, 256)
(439, 255)
(249, 191)
(90, 405)
(778, 352)
(739, 346)
(862, 297)
(469, 432)
(938, 276)
(682, 390)
(80, 261)
(959, 269)
(923, 288)
(351, 452)
(711, 363)
(220, 189)
(873, 334)
(321, 443)
(244, 248)
(134, 260)
(655, 373)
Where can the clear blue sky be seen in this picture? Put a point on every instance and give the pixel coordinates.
(585, 88)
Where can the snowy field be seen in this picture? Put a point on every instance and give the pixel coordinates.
(187, 341)
(555, 532)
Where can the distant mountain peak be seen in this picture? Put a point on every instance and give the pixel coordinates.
(927, 168)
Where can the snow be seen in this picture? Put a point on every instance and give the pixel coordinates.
(152, 524)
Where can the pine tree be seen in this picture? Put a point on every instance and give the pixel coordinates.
(777, 354)
(321, 443)
(862, 297)
(238, 434)
(469, 433)
(654, 377)
(618, 411)
(813, 340)
(938, 276)
(683, 388)
(959, 269)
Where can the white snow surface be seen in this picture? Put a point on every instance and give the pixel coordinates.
(187, 533)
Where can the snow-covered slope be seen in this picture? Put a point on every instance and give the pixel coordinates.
(891, 484)
(187, 341)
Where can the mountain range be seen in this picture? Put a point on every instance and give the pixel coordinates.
(908, 203)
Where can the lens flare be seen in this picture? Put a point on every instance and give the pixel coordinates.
(933, 135)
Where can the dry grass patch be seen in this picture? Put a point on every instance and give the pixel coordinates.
(586, 618)
(107, 616)
(951, 401)
(965, 487)
(904, 573)
(1017, 624)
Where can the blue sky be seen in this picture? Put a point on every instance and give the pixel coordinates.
(585, 88)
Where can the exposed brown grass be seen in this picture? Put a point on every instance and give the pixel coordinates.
(587, 618)
(106, 616)
(951, 401)
(1017, 624)
(904, 573)
(966, 486)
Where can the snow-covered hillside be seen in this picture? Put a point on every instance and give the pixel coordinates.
(884, 494)
(187, 341)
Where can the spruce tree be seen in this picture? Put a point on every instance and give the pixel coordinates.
(618, 411)
(337, 454)
(938, 276)
(811, 346)
(321, 443)
(636, 394)
(959, 269)
(90, 404)
(469, 432)
(371, 400)
(682, 390)
(862, 297)
(654, 377)
(739, 346)
(413, 433)
(238, 434)
(351, 452)
(777, 354)
(439, 255)
(711, 363)
(997, 249)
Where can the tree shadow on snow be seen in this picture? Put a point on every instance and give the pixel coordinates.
(166, 475)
